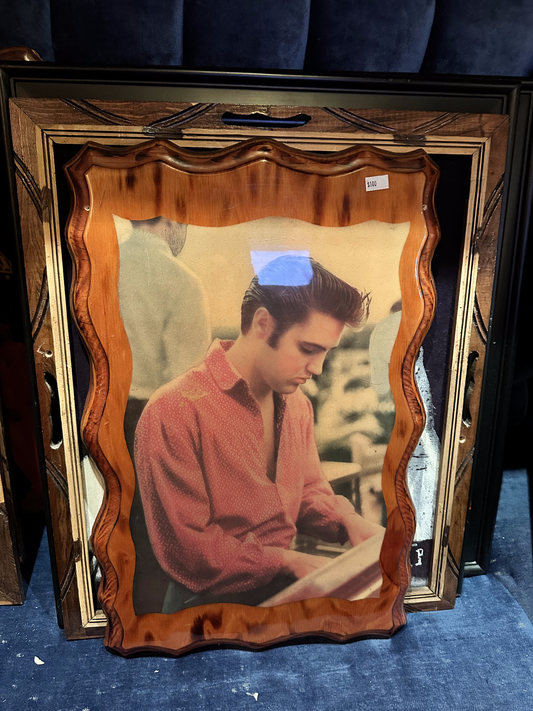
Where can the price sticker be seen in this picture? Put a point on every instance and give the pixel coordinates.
(377, 182)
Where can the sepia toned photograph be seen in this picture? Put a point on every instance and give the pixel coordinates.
(185, 322)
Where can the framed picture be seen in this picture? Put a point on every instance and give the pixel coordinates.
(472, 133)
(226, 458)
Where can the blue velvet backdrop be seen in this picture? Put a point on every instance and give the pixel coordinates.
(385, 36)
(106, 31)
(444, 36)
(263, 34)
(481, 37)
(27, 23)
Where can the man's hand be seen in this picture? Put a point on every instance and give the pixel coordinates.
(358, 529)
(301, 564)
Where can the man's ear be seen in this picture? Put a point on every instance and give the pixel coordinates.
(263, 324)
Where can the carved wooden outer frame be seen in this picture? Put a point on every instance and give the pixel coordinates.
(250, 180)
(41, 126)
(11, 584)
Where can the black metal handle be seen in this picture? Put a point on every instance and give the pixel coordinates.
(257, 120)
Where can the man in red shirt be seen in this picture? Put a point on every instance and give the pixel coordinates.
(225, 454)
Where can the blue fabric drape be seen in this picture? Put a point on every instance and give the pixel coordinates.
(386, 36)
(26, 23)
(140, 32)
(263, 34)
(481, 37)
(488, 37)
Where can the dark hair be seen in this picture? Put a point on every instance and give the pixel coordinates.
(150, 222)
(175, 237)
(290, 286)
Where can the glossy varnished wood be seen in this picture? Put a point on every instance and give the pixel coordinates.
(247, 181)
(37, 125)
(34, 199)
(11, 584)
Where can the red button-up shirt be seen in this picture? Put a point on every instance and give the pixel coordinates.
(216, 521)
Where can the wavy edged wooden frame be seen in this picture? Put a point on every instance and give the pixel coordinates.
(157, 178)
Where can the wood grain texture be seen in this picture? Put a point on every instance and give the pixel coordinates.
(34, 121)
(11, 584)
(32, 193)
(486, 246)
(247, 181)
(173, 117)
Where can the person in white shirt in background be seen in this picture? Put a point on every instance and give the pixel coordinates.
(164, 310)
(165, 314)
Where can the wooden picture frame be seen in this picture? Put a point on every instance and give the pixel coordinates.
(11, 584)
(250, 181)
(472, 130)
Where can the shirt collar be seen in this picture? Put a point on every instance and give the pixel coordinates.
(227, 377)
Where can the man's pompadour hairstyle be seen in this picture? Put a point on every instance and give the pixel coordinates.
(290, 286)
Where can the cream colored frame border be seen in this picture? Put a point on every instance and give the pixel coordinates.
(477, 148)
